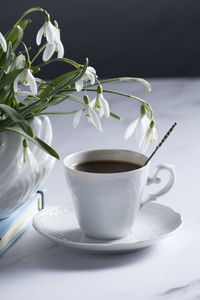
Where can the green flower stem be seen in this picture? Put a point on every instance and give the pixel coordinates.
(139, 80)
(27, 54)
(28, 11)
(75, 99)
(129, 96)
(67, 60)
(38, 53)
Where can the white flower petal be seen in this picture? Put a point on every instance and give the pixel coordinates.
(16, 82)
(101, 112)
(77, 118)
(48, 52)
(91, 77)
(104, 104)
(91, 69)
(39, 35)
(32, 82)
(50, 33)
(60, 49)
(145, 141)
(142, 128)
(56, 34)
(94, 118)
(24, 93)
(154, 135)
(92, 102)
(3, 42)
(79, 85)
(130, 129)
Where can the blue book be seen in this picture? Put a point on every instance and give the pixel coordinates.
(14, 226)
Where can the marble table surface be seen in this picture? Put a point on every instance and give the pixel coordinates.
(36, 268)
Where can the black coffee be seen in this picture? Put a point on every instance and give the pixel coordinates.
(106, 166)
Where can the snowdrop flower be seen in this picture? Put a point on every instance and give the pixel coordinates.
(28, 79)
(90, 74)
(3, 42)
(101, 104)
(51, 48)
(138, 127)
(28, 158)
(49, 31)
(52, 34)
(149, 137)
(56, 46)
(90, 114)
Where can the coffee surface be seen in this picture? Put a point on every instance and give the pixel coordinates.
(106, 166)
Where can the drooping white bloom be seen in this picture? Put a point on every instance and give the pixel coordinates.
(49, 31)
(101, 105)
(27, 79)
(149, 137)
(138, 127)
(52, 34)
(28, 159)
(90, 74)
(51, 48)
(90, 114)
(3, 42)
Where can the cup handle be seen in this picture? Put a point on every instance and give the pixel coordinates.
(155, 179)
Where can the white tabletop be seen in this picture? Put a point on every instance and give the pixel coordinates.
(36, 268)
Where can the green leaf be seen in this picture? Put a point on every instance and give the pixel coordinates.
(17, 63)
(38, 142)
(9, 79)
(57, 83)
(19, 37)
(46, 147)
(12, 35)
(17, 118)
(71, 81)
(28, 11)
(8, 58)
(63, 81)
(35, 69)
(58, 113)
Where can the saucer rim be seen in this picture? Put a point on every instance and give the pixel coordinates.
(107, 246)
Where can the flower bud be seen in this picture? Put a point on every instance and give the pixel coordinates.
(152, 124)
(86, 99)
(99, 89)
(25, 143)
(143, 110)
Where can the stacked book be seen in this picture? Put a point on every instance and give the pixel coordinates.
(15, 225)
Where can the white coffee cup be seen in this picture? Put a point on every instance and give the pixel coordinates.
(107, 204)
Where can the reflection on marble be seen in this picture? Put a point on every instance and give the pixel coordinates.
(165, 271)
(190, 291)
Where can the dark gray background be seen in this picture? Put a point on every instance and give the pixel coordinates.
(140, 38)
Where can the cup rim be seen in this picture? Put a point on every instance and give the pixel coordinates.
(101, 150)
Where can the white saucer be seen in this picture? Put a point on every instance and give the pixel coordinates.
(155, 221)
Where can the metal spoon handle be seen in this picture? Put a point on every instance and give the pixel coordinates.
(160, 144)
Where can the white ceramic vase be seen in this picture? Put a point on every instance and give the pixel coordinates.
(18, 185)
